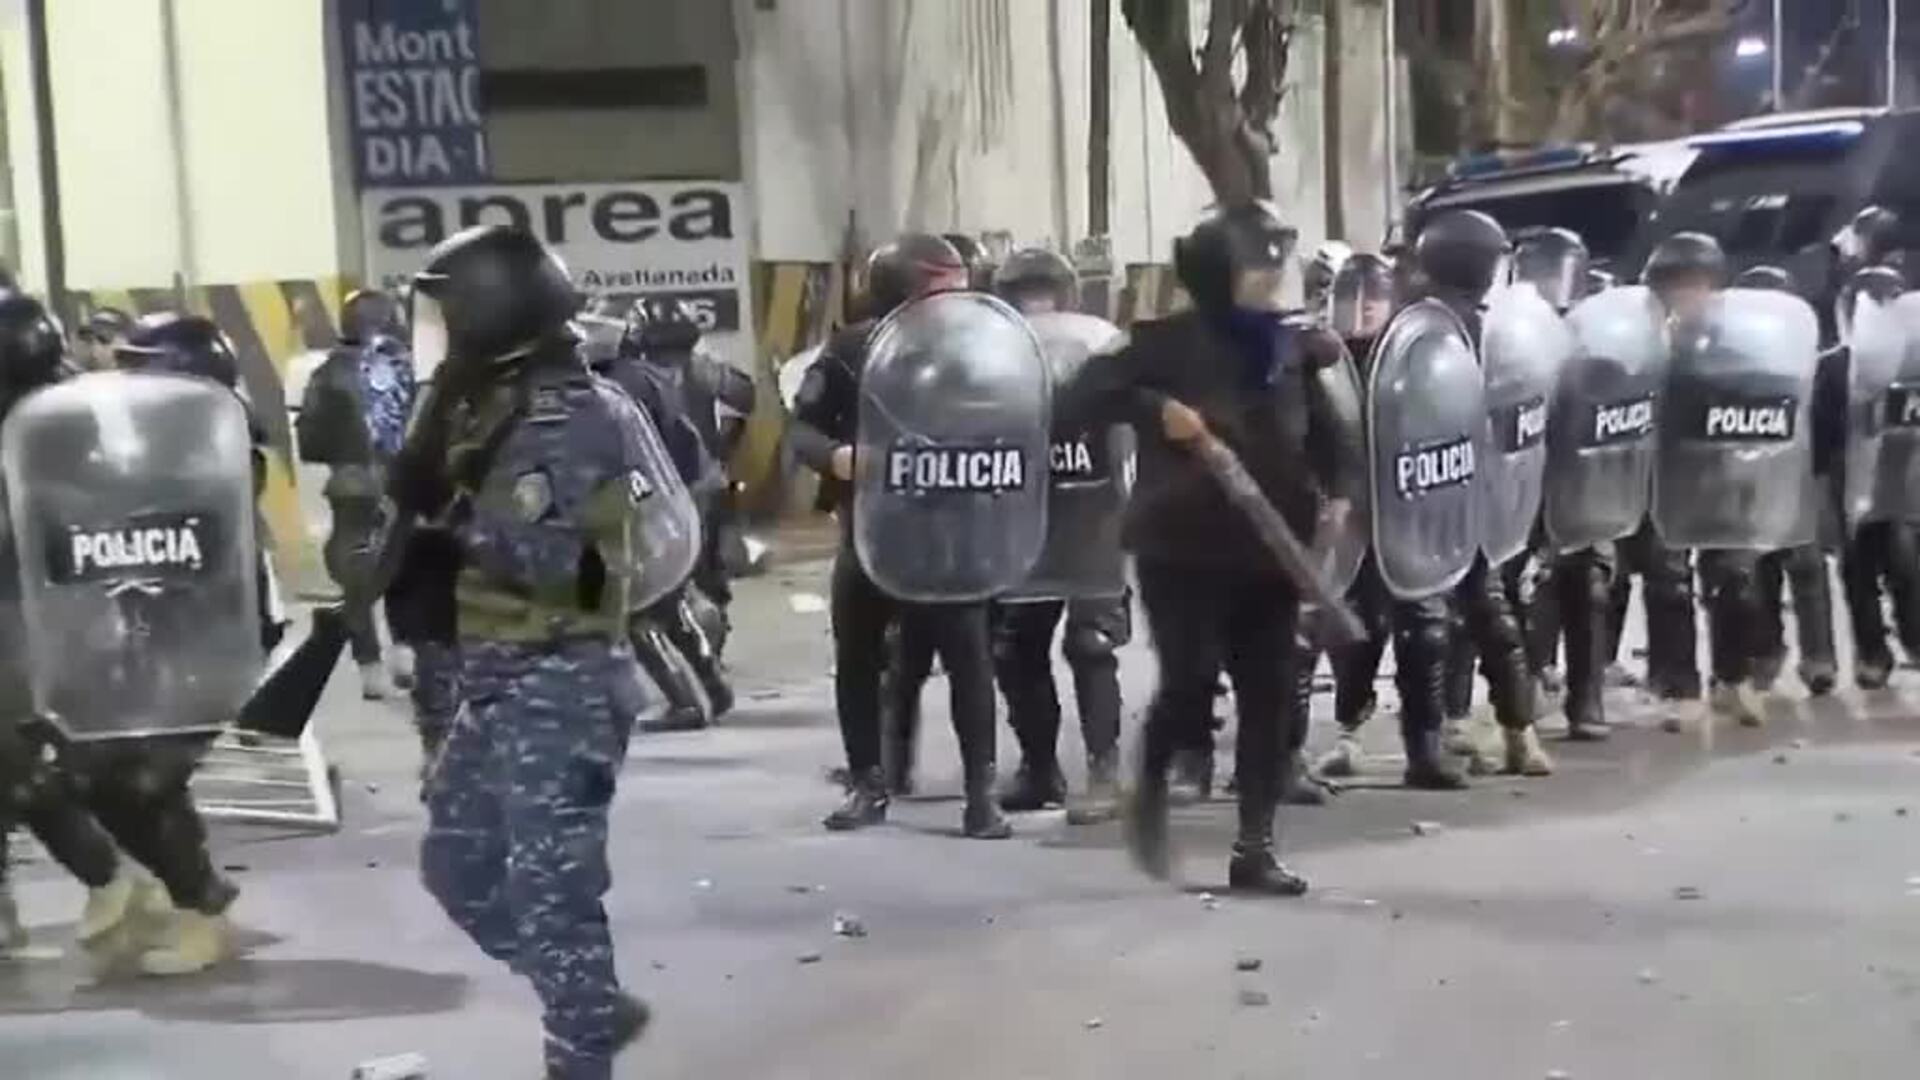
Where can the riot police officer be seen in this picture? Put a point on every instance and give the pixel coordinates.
(1878, 554)
(1801, 569)
(1461, 254)
(1683, 271)
(550, 482)
(1239, 368)
(826, 415)
(1081, 575)
(35, 791)
(1571, 591)
(353, 418)
(1360, 301)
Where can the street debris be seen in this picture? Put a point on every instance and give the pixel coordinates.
(397, 1067)
(1094, 1023)
(1779, 759)
(1253, 999)
(1247, 963)
(1688, 892)
(1648, 977)
(1842, 817)
(806, 958)
(703, 884)
(1427, 828)
(1209, 901)
(806, 889)
(848, 926)
(804, 603)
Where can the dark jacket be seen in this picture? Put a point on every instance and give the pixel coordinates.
(826, 412)
(1295, 434)
(332, 428)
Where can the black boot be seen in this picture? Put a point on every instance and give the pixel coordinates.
(1148, 839)
(1427, 766)
(866, 803)
(1585, 593)
(1253, 869)
(982, 819)
(1102, 800)
(1421, 646)
(1192, 777)
(1035, 786)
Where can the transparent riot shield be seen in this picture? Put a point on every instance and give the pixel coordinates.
(1090, 472)
(16, 689)
(131, 497)
(663, 533)
(1342, 553)
(1601, 437)
(1735, 464)
(1876, 349)
(951, 467)
(1523, 346)
(1426, 435)
(1896, 492)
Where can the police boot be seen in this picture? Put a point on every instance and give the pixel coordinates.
(1298, 785)
(898, 750)
(1427, 766)
(866, 803)
(1766, 672)
(193, 942)
(1524, 754)
(1036, 786)
(1738, 701)
(1253, 869)
(374, 685)
(1819, 676)
(1872, 674)
(982, 819)
(1192, 777)
(1102, 800)
(1343, 760)
(106, 933)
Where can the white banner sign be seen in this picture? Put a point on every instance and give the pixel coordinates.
(683, 238)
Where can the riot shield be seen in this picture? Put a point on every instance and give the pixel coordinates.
(1426, 435)
(950, 471)
(663, 531)
(1523, 346)
(1338, 562)
(1600, 438)
(1876, 349)
(131, 497)
(16, 690)
(1090, 471)
(1896, 494)
(1735, 464)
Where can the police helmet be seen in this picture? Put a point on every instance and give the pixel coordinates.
(910, 267)
(1872, 234)
(1227, 244)
(1327, 260)
(33, 348)
(663, 324)
(489, 295)
(1360, 297)
(370, 313)
(104, 326)
(1685, 254)
(1772, 278)
(1554, 261)
(181, 344)
(1461, 251)
(1031, 272)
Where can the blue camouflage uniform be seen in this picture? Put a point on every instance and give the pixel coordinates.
(518, 800)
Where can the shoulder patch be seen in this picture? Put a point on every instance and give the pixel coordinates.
(533, 496)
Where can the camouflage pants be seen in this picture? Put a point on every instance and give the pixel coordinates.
(39, 795)
(435, 693)
(516, 844)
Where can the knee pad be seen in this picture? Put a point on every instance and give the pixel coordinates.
(1088, 645)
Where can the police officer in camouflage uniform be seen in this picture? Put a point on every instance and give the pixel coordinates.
(541, 473)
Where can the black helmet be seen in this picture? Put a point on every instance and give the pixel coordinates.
(1327, 260)
(370, 313)
(180, 343)
(1872, 234)
(104, 326)
(1685, 254)
(1460, 251)
(1883, 283)
(1227, 243)
(1040, 271)
(662, 324)
(1772, 278)
(1554, 261)
(33, 348)
(911, 267)
(498, 292)
(1363, 282)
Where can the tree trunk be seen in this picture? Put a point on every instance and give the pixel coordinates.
(1493, 28)
(1332, 151)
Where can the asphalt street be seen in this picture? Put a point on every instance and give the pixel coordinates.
(1710, 904)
